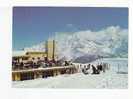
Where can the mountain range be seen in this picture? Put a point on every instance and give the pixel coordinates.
(111, 41)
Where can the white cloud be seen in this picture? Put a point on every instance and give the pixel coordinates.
(69, 25)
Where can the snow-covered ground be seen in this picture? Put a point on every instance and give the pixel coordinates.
(109, 79)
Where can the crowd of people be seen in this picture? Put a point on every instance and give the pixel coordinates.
(36, 63)
(97, 69)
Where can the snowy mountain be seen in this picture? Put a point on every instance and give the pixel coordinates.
(38, 47)
(108, 42)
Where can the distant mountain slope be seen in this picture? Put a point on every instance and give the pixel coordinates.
(85, 59)
(38, 47)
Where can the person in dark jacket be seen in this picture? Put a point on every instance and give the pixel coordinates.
(84, 71)
(21, 65)
(95, 71)
(100, 67)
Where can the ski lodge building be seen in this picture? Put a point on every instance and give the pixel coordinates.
(29, 55)
(28, 72)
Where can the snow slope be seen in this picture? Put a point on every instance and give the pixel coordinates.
(77, 81)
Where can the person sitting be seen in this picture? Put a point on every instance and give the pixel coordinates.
(21, 65)
(66, 63)
(84, 71)
(95, 71)
(100, 67)
(88, 67)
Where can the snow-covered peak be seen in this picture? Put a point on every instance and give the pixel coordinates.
(112, 41)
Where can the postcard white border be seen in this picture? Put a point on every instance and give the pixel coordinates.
(7, 92)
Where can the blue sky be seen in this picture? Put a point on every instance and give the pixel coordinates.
(32, 25)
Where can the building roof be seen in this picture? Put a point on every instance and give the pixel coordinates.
(25, 53)
(35, 52)
(19, 53)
